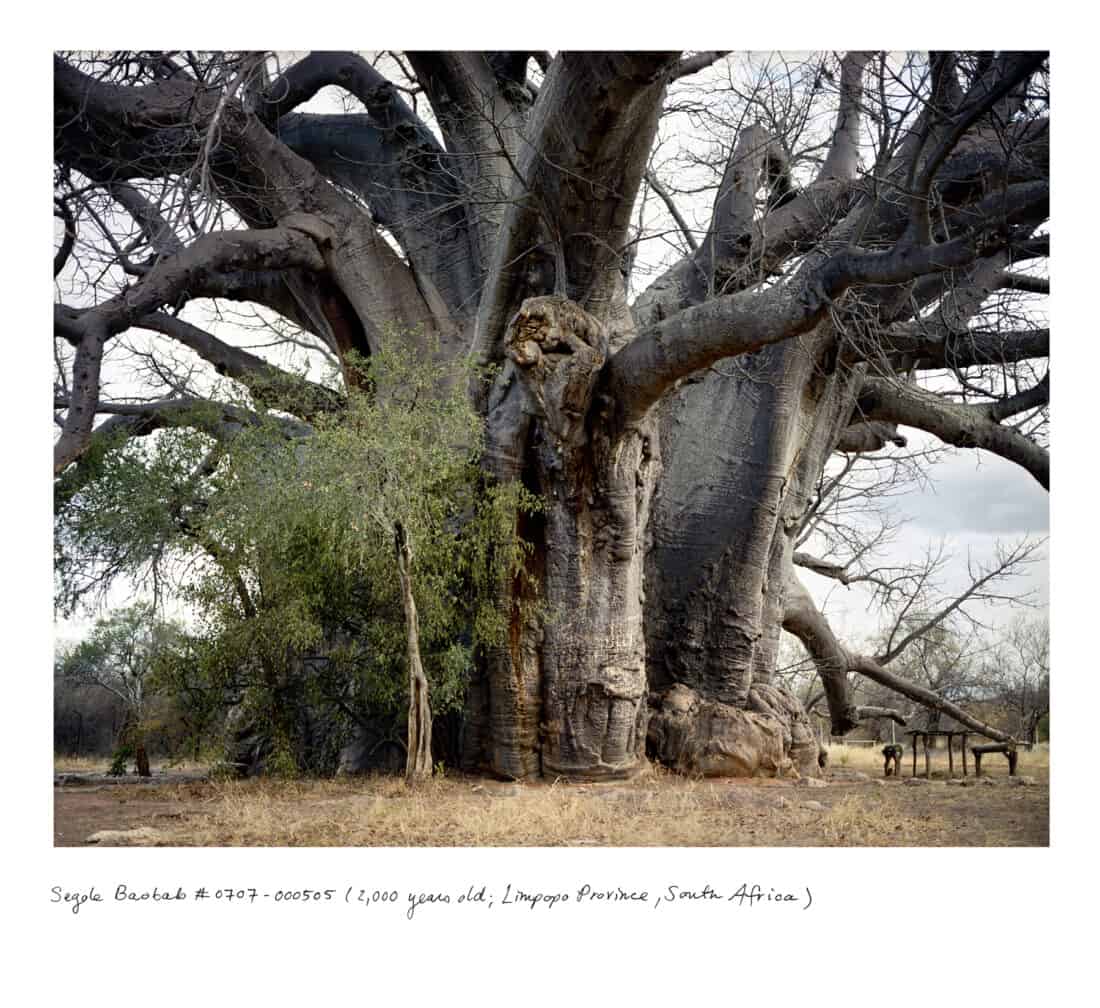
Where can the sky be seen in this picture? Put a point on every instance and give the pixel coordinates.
(974, 502)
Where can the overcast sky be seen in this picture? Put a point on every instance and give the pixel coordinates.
(975, 499)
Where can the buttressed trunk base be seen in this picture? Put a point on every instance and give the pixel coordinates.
(772, 737)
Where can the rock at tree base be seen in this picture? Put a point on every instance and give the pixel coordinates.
(772, 738)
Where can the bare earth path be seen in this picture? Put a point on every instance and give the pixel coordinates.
(849, 809)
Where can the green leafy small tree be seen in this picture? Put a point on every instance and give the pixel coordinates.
(379, 492)
(346, 568)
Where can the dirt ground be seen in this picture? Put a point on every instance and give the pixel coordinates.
(848, 808)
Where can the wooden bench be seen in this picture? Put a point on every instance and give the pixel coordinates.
(1008, 748)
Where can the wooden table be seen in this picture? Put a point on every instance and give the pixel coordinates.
(950, 735)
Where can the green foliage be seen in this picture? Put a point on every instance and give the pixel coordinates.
(127, 514)
(123, 754)
(122, 656)
(286, 546)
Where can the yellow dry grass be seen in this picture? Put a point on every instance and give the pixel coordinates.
(101, 764)
(80, 764)
(656, 810)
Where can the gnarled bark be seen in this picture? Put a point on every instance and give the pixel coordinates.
(566, 695)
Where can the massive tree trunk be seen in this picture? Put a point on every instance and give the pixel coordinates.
(566, 694)
(743, 446)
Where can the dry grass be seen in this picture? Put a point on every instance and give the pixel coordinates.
(101, 764)
(80, 764)
(655, 810)
(460, 812)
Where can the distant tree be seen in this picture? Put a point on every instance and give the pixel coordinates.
(1020, 668)
(930, 648)
(120, 655)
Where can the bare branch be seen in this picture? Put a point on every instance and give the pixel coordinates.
(834, 661)
(965, 426)
(270, 386)
(171, 281)
(1007, 565)
(866, 713)
(666, 197)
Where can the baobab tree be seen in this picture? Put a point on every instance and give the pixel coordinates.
(859, 269)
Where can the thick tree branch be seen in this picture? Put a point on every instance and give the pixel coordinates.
(640, 373)
(347, 70)
(866, 713)
(160, 235)
(68, 239)
(934, 348)
(696, 62)
(833, 661)
(842, 161)
(1005, 75)
(872, 670)
(187, 274)
(173, 280)
(482, 122)
(803, 619)
(270, 386)
(177, 127)
(412, 189)
(218, 419)
(866, 436)
(1026, 284)
(962, 425)
(589, 140)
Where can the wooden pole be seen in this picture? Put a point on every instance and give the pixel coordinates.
(964, 753)
(914, 754)
(927, 759)
(950, 756)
